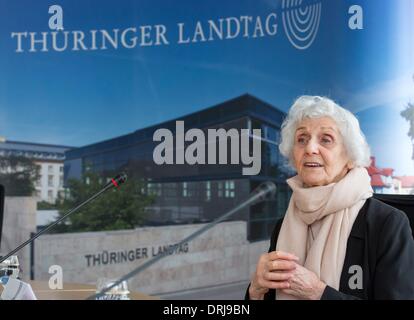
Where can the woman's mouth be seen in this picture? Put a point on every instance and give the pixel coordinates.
(313, 165)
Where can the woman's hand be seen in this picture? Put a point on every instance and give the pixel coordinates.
(273, 271)
(304, 284)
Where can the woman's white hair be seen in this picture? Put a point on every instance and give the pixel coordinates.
(317, 107)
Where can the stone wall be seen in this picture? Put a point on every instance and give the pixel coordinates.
(221, 255)
(19, 222)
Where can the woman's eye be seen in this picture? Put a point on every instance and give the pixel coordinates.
(326, 140)
(301, 140)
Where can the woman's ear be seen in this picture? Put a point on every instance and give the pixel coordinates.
(350, 165)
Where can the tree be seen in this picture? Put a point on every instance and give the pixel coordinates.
(18, 175)
(408, 114)
(118, 208)
(44, 205)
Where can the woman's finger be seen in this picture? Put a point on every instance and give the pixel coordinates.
(273, 284)
(275, 255)
(281, 265)
(278, 276)
(278, 285)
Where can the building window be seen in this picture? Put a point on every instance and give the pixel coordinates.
(189, 189)
(50, 168)
(61, 169)
(39, 182)
(61, 194)
(170, 190)
(229, 189)
(50, 180)
(208, 190)
(60, 181)
(220, 189)
(185, 189)
(154, 189)
(150, 189)
(50, 196)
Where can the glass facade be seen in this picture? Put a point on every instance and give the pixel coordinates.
(187, 193)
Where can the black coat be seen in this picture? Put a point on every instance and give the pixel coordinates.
(381, 243)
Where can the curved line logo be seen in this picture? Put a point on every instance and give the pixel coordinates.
(301, 22)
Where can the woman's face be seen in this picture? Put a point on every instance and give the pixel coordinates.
(319, 154)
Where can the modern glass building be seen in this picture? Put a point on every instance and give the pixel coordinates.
(198, 193)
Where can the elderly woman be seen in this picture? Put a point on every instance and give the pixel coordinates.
(335, 241)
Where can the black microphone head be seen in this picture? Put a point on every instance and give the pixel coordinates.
(119, 179)
(268, 186)
(266, 191)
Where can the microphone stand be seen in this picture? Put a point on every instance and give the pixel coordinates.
(115, 182)
(258, 195)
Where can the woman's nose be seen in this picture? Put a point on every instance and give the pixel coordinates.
(312, 147)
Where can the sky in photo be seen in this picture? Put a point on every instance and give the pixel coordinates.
(81, 97)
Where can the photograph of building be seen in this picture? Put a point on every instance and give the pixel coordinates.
(85, 87)
(197, 193)
(49, 159)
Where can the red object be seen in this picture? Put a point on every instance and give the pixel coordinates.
(114, 183)
(374, 170)
(376, 174)
(387, 172)
(406, 181)
(376, 181)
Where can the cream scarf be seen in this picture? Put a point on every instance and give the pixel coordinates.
(334, 208)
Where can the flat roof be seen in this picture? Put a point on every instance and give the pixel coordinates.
(244, 105)
(33, 147)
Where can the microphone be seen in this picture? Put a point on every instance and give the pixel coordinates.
(15, 289)
(117, 181)
(261, 193)
(114, 182)
(264, 192)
